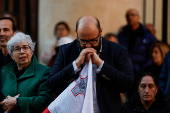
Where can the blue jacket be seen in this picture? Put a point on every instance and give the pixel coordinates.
(114, 77)
(164, 78)
(138, 44)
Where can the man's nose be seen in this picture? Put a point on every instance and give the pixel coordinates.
(147, 89)
(88, 45)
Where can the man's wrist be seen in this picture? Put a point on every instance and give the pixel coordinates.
(99, 63)
(77, 64)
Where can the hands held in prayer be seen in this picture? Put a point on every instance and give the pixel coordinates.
(9, 103)
(85, 56)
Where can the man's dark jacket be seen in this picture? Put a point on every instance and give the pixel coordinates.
(2, 62)
(114, 77)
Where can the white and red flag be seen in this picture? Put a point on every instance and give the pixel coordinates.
(77, 97)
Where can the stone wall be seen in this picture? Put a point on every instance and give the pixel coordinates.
(111, 14)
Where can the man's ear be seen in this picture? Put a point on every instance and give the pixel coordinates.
(101, 31)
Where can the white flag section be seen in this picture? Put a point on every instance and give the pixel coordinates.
(78, 96)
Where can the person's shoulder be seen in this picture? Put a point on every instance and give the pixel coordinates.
(127, 107)
(144, 28)
(43, 67)
(69, 45)
(147, 31)
(42, 71)
(9, 67)
(168, 54)
(40, 68)
(123, 28)
(1, 54)
(123, 33)
(132, 105)
(114, 46)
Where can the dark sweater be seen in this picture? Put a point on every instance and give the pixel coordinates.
(135, 106)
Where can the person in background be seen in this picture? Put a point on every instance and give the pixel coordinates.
(23, 81)
(158, 52)
(111, 37)
(151, 29)
(164, 78)
(7, 30)
(138, 40)
(150, 98)
(61, 29)
(61, 41)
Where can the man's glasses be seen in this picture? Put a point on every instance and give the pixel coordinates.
(84, 42)
(25, 48)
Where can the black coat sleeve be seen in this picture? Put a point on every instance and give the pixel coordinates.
(62, 74)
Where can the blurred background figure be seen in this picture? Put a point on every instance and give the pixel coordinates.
(164, 78)
(151, 28)
(61, 29)
(61, 41)
(23, 81)
(158, 52)
(138, 40)
(111, 37)
(7, 30)
(150, 99)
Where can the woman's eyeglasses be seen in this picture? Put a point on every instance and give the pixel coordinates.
(25, 48)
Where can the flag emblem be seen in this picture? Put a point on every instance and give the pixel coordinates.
(80, 87)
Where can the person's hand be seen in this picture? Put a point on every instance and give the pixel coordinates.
(84, 56)
(9, 103)
(96, 59)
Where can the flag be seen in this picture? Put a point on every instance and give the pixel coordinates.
(77, 97)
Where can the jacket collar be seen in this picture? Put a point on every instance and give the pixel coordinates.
(11, 68)
(105, 51)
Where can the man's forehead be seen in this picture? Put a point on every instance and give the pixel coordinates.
(147, 80)
(5, 23)
(87, 21)
(146, 83)
(132, 11)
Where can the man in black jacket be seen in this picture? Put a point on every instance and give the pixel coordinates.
(150, 100)
(113, 70)
(7, 30)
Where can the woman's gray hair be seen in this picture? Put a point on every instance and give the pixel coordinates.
(18, 38)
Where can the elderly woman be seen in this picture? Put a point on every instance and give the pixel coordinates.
(23, 81)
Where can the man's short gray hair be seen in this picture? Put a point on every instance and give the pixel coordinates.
(18, 38)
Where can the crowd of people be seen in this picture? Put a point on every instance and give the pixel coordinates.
(132, 68)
